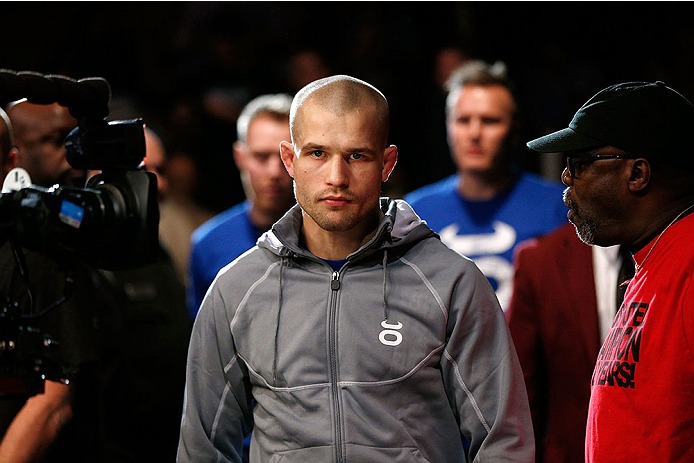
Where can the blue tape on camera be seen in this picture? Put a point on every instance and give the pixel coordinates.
(71, 214)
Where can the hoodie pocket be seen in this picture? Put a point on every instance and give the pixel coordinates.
(366, 453)
(355, 453)
(305, 455)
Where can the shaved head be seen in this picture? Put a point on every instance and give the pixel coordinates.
(340, 94)
(5, 141)
(39, 135)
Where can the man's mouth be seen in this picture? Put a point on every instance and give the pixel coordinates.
(335, 200)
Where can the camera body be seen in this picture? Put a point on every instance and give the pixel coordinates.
(111, 224)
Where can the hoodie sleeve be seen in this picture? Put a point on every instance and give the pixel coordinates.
(483, 377)
(217, 405)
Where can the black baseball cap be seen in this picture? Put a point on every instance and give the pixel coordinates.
(637, 117)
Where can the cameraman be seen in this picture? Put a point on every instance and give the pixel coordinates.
(6, 143)
(39, 135)
(31, 422)
(127, 331)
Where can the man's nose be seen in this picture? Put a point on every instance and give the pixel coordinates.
(276, 167)
(475, 128)
(566, 177)
(337, 172)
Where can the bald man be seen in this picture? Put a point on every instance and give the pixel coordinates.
(340, 336)
(32, 137)
(40, 132)
(6, 143)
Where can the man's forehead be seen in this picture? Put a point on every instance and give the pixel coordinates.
(27, 116)
(315, 107)
(322, 121)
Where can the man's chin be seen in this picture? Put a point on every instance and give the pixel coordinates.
(73, 180)
(584, 232)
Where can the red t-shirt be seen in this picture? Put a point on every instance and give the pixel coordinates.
(642, 390)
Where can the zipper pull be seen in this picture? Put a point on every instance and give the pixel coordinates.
(335, 282)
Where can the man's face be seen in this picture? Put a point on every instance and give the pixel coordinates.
(40, 132)
(154, 161)
(342, 161)
(596, 197)
(479, 128)
(259, 160)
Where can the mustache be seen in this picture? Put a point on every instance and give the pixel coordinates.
(568, 202)
(348, 195)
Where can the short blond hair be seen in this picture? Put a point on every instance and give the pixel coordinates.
(340, 94)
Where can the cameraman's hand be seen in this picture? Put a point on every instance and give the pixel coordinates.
(38, 424)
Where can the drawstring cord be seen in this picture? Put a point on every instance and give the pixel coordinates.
(385, 305)
(277, 323)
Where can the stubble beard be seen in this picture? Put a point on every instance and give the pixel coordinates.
(585, 228)
(332, 221)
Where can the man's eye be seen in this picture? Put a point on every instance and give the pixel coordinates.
(490, 120)
(463, 120)
(260, 157)
(356, 156)
(317, 153)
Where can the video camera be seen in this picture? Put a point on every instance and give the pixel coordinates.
(111, 224)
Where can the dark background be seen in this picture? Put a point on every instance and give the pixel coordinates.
(173, 63)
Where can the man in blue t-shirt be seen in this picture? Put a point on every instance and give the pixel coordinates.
(261, 126)
(489, 206)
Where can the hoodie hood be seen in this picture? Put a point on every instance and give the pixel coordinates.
(400, 226)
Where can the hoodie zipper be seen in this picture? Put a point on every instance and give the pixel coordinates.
(332, 347)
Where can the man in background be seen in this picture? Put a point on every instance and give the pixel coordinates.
(489, 206)
(262, 125)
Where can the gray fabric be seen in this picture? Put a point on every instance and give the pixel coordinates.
(325, 387)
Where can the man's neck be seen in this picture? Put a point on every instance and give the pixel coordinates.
(654, 223)
(336, 245)
(263, 220)
(483, 186)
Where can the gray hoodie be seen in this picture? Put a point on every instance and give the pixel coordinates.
(401, 355)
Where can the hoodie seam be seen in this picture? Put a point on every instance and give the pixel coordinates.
(469, 394)
(394, 380)
(218, 414)
(250, 290)
(280, 389)
(429, 286)
(220, 407)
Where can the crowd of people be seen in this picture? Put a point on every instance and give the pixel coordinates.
(318, 305)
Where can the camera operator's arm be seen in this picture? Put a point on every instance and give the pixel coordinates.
(38, 424)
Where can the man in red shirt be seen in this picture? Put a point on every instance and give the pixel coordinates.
(630, 181)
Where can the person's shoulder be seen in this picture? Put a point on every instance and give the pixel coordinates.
(249, 267)
(535, 184)
(431, 251)
(433, 190)
(222, 224)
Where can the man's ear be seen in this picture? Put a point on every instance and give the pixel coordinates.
(639, 175)
(12, 158)
(287, 155)
(240, 155)
(390, 158)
